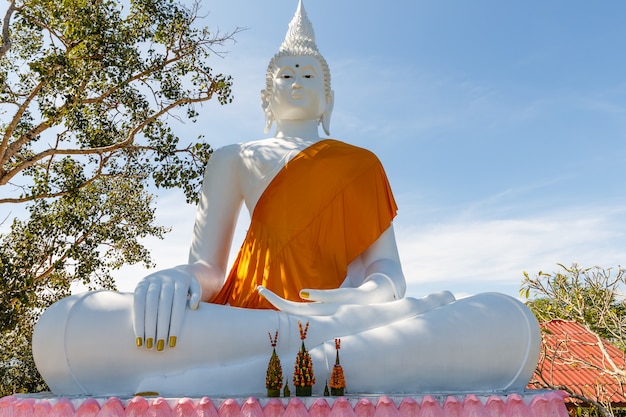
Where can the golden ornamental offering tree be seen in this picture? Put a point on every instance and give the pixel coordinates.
(303, 377)
(274, 376)
(337, 379)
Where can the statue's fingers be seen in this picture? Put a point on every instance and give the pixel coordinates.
(339, 295)
(291, 307)
(274, 299)
(139, 312)
(153, 295)
(179, 305)
(195, 294)
(164, 314)
(377, 290)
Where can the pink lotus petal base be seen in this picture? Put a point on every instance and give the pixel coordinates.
(527, 404)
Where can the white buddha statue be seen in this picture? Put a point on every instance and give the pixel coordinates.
(320, 248)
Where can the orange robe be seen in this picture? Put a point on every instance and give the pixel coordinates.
(321, 211)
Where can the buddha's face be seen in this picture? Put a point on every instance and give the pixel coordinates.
(297, 89)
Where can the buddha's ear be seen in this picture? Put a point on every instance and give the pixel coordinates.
(330, 103)
(265, 105)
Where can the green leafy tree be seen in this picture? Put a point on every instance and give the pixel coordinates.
(592, 297)
(88, 89)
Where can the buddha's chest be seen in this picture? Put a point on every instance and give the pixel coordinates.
(262, 161)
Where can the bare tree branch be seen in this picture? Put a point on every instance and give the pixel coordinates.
(14, 122)
(6, 38)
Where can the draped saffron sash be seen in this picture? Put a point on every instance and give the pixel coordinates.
(321, 211)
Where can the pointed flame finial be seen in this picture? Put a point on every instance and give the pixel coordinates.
(300, 36)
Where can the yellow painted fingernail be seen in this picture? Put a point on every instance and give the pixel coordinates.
(172, 341)
(149, 343)
(304, 294)
(160, 345)
(139, 342)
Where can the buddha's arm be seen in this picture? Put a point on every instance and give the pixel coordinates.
(216, 218)
(161, 298)
(383, 261)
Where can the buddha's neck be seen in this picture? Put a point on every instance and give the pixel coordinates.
(301, 129)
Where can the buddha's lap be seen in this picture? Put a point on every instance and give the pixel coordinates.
(408, 337)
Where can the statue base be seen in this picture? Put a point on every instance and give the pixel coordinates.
(526, 404)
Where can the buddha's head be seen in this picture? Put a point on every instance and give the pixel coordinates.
(298, 56)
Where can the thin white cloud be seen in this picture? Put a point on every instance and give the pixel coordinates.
(489, 254)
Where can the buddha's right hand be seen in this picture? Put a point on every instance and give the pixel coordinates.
(159, 305)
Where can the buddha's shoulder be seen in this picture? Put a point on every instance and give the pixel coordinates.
(276, 148)
(255, 146)
(261, 149)
(236, 152)
(351, 150)
(239, 150)
(226, 151)
(245, 156)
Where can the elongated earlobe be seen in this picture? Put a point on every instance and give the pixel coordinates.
(330, 102)
(269, 116)
(269, 120)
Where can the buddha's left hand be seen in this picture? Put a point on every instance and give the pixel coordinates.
(377, 289)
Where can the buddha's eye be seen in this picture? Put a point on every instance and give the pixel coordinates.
(285, 74)
(307, 76)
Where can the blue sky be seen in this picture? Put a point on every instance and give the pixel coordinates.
(502, 127)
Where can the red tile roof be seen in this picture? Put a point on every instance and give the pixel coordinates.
(572, 357)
